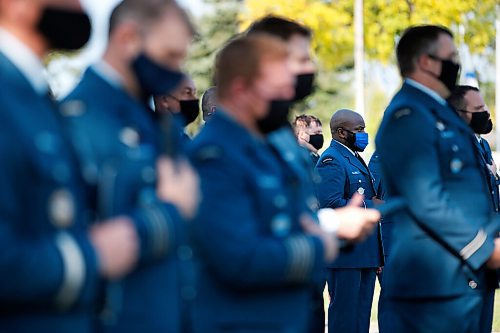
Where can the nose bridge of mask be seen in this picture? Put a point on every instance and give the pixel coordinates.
(361, 136)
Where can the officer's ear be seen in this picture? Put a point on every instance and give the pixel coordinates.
(426, 63)
(128, 38)
(341, 133)
(161, 103)
(239, 87)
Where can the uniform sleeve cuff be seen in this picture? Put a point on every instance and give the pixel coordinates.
(305, 255)
(478, 251)
(156, 225)
(74, 270)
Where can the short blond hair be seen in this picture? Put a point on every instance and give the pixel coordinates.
(242, 58)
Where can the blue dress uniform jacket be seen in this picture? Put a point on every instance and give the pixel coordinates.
(342, 174)
(257, 266)
(494, 180)
(379, 185)
(301, 176)
(49, 272)
(118, 143)
(445, 236)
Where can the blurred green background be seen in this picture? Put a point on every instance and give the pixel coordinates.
(472, 22)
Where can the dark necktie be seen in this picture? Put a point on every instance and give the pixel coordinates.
(484, 151)
(361, 160)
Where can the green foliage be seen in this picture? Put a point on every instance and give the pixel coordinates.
(384, 21)
(215, 28)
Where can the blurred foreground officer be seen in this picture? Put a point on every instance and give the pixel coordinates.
(299, 171)
(260, 248)
(280, 135)
(351, 278)
(50, 264)
(181, 101)
(309, 133)
(118, 144)
(445, 242)
(471, 107)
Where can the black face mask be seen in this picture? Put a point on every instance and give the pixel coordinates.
(317, 141)
(63, 29)
(276, 118)
(155, 79)
(190, 109)
(481, 122)
(449, 72)
(304, 86)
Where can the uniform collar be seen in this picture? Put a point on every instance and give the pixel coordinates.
(350, 156)
(349, 149)
(108, 74)
(427, 91)
(26, 61)
(227, 124)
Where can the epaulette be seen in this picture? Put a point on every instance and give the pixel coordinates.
(402, 113)
(211, 152)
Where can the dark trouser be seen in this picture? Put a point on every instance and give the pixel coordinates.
(487, 311)
(318, 309)
(463, 314)
(351, 296)
(383, 322)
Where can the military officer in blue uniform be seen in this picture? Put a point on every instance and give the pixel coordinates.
(280, 136)
(445, 240)
(279, 132)
(50, 262)
(260, 250)
(470, 106)
(351, 278)
(118, 141)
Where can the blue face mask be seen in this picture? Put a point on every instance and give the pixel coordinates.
(359, 141)
(154, 78)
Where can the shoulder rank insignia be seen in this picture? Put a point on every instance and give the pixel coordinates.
(402, 113)
(209, 153)
(326, 160)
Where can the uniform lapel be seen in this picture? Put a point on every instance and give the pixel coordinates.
(350, 157)
(353, 160)
(285, 144)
